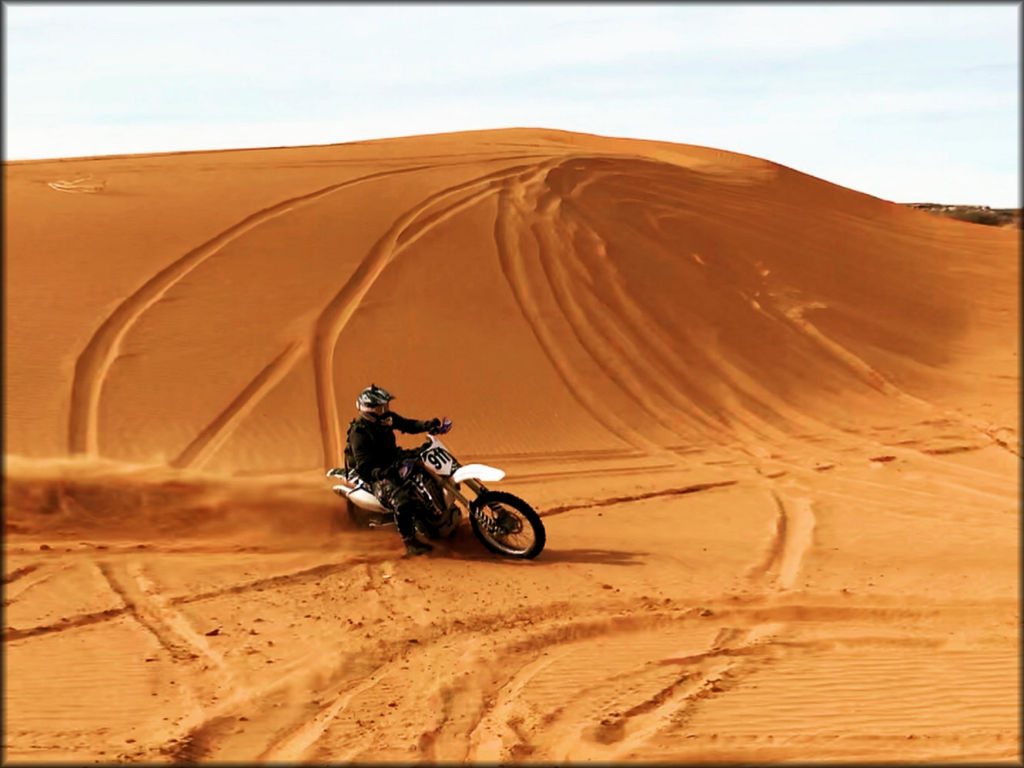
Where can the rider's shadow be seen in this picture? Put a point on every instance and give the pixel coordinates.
(467, 548)
(595, 556)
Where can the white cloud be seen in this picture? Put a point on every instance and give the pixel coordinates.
(776, 81)
(56, 140)
(951, 181)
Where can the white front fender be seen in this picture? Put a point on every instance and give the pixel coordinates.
(478, 472)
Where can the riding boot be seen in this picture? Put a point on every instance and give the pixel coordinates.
(406, 524)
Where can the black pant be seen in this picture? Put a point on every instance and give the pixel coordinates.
(397, 497)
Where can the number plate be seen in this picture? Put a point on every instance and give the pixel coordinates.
(439, 460)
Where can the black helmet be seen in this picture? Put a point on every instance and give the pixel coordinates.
(373, 399)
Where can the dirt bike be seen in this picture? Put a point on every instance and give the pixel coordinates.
(504, 523)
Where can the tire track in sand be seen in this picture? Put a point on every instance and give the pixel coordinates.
(152, 610)
(792, 538)
(785, 552)
(295, 742)
(597, 332)
(487, 741)
(82, 620)
(19, 573)
(731, 652)
(294, 745)
(613, 738)
(595, 720)
(509, 728)
(405, 230)
(213, 690)
(213, 435)
(328, 327)
(482, 711)
(663, 351)
(734, 654)
(17, 583)
(96, 359)
(695, 488)
(591, 294)
(225, 422)
(302, 576)
(509, 225)
(529, 204)
(747, 640)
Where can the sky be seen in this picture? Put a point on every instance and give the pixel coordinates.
(916, 102)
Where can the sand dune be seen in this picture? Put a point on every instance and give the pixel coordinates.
(771, 425)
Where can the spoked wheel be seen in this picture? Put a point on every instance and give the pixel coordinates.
(507, 525)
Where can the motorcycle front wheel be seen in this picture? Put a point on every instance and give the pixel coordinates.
(507, 525)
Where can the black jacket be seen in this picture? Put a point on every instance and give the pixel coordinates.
(372, 449)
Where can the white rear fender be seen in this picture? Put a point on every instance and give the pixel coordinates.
(478, 472)
(363, 498)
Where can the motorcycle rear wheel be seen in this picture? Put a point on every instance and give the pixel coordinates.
(507, 525)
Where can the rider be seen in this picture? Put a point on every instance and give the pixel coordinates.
(374, 454)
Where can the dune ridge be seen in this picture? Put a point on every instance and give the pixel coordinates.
(771, 425)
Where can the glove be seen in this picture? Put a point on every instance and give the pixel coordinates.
(439, 427)
(406, 467)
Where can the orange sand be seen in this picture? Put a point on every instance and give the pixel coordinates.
(770, 424)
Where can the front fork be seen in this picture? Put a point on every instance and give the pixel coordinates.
(493, 526)
(474, 485)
